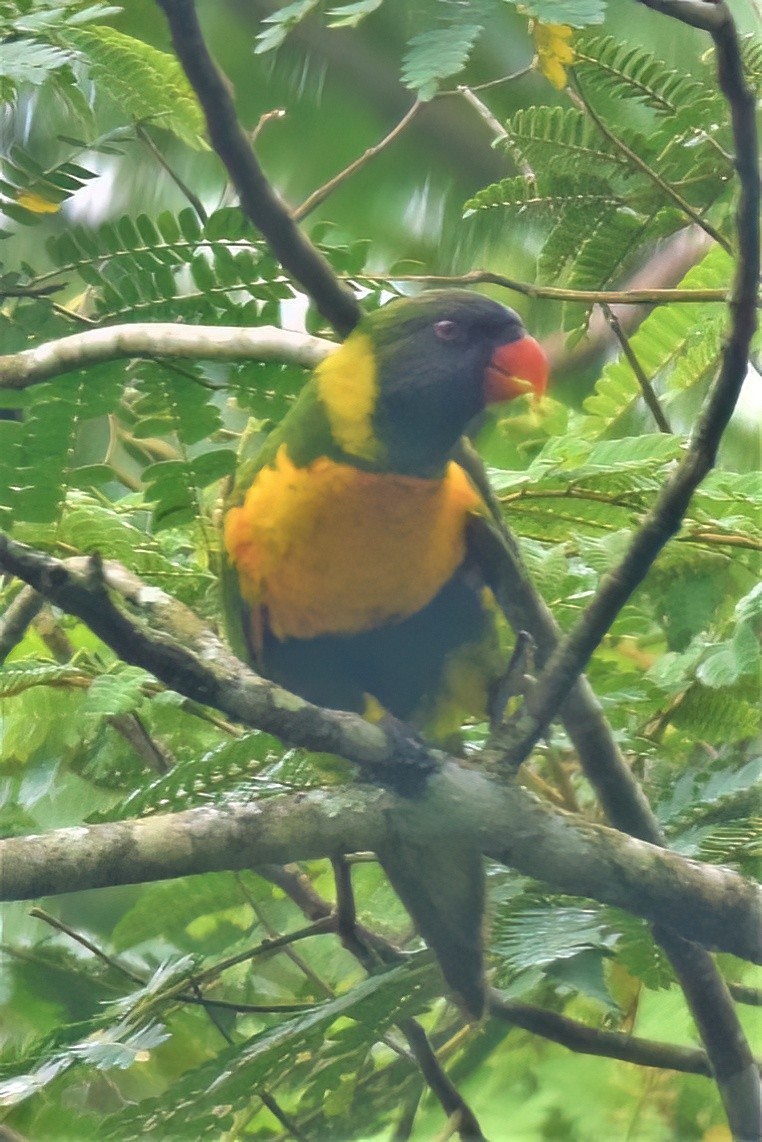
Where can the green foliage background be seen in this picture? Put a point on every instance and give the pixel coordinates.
(127, 459)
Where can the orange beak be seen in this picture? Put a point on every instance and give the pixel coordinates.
(514, 369)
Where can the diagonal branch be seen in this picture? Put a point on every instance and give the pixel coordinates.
(620, 794)
(230, 687)
(322, 193)
(646, 388)
(641, 165)
(259, 201)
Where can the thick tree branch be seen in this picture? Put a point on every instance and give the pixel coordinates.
(713, 905)
(213, 676)
(160, 339)
(259, 201)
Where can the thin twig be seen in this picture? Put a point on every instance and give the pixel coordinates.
(555, 293)
(259, 201)
(150, 751)
(514, 75)
(190, 194)
(60, 926)
(465, 1122)
(277, 1111)
(483, 111)
(321, 194)
(497, 129)
(297, 960)
(646, 388)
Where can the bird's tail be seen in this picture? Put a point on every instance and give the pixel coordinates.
(442, 886)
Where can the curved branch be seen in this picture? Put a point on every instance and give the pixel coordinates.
(160, 339)
(706, 903)
(259, 201)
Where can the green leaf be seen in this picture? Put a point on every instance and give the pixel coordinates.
(281, 23)
(437, 54)
(145, 83)
(26, 61)
(530, 935)
(118, 693)
(374, 1004)
(350, 15)
(628, 72)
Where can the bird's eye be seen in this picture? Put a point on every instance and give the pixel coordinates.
(447, 330)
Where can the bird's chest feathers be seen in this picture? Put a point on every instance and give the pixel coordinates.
(331, 549)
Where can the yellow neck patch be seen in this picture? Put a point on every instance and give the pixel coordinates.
(348, 387)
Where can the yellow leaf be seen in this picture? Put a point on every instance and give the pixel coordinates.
(554, 51)
(30, 200)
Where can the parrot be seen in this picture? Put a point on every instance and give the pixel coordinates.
(347, 575)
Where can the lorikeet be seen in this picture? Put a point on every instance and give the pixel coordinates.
(348, 577)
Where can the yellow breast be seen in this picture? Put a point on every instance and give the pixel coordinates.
(332, 549)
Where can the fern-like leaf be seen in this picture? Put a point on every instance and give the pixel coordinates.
(635, 73)
(567, 136)
(147, 84)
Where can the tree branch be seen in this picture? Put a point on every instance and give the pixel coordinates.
(620, 794)
(449, 1097)
(555, 293)
(646, 388)
(577, 1036)
(322, 193)
(259, 201)
(228, 685)
(640, 164)
(156, 340)
(18, 615)
(713, 905)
